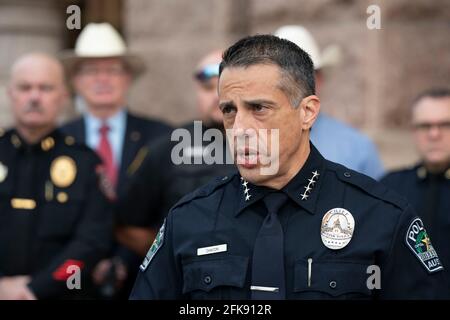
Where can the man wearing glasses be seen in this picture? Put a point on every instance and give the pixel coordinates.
(427, 185)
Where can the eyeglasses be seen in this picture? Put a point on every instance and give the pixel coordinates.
(426, 126)
(207, 72)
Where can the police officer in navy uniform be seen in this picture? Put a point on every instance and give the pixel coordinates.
(427, 184)
(290, 225)
(161, 182)
(102, 71)
(55, 223)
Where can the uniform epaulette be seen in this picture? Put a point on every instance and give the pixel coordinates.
(368, 185)
(204, 191)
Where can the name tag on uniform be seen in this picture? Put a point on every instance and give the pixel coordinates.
(211, 250)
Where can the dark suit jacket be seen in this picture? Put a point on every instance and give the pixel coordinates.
(139, 133)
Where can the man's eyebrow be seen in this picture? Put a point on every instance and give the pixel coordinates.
(259, 102)
(226, 104)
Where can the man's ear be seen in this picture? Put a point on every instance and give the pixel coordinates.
(310, 108)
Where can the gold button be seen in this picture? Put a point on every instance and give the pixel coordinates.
(62, 197)
(16, 141)
(47, 143)
(421, 172)
(69, 140)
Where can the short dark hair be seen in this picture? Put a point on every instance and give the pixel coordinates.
(297, 69)
(435, 93)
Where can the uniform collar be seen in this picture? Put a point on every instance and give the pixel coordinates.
(422, 173)
(46, 144)
(303, 189)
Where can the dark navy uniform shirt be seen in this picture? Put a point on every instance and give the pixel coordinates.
(53, 216)
(230, 212)
(429, 194)
(159, 183)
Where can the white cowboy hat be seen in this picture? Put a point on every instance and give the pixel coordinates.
(101, 40)
(304, 39)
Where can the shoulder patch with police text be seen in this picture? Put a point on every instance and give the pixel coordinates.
(418, 241)
(157, 244)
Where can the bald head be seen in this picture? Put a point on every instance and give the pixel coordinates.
(37, 91)
(206, 75)
(34, 63)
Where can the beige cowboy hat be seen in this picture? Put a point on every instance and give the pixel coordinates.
(299, 35)
(101, 40)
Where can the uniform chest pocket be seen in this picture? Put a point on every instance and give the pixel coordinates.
(58, 220)
(215, 278)
(331, 280)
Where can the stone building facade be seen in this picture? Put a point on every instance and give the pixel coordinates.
(371, 88)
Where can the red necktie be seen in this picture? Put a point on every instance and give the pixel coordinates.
(104, 150)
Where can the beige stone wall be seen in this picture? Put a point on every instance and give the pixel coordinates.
(380, 71)
(172, 35)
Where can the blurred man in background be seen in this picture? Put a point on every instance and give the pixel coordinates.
(427, 184)
(160, 183)
(53, 217)
(102, 71)
(345, 145)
